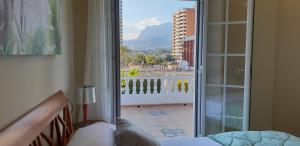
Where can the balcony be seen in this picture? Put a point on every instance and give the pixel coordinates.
(161, 105)
(157, 90)
(162, 121)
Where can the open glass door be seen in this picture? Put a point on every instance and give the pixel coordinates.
(226, 42)
(156, 65)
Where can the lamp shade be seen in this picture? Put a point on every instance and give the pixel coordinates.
(86, 94)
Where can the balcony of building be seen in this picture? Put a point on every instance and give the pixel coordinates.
(161, 105)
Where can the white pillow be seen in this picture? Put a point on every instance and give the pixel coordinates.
(98, 134)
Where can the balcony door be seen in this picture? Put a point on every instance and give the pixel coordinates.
(224, 60)
(157, 66)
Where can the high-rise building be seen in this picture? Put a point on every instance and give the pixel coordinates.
(188, 50)
(183, 26)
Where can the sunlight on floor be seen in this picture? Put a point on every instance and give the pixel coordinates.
(162, 121)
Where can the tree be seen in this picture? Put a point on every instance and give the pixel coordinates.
(133, 72)
(125, 55)
(151, 60)
(123, 73)
(128, 59)
(140, 58)
(124, 50)
(160, 60)
(170, 58)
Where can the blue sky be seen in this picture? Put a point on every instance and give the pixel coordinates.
(138, 14)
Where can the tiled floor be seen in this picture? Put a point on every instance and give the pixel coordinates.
(162, 121)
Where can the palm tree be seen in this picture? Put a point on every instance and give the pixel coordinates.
(124, 52)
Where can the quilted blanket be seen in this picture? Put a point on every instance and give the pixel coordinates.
(256, 138)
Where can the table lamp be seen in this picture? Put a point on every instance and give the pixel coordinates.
(85, 96)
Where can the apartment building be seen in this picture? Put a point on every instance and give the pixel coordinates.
(188, 50)
(183, 26)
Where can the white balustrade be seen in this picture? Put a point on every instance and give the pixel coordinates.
(162, 87)
(126, 89)
(169, 90)
(134, 86)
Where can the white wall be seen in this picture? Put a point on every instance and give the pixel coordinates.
(26, 81)
(286, 115)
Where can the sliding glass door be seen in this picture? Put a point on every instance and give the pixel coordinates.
(225, 42)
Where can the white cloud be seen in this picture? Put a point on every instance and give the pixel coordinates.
(131, 36)
(126, 24)
(148, 22)
(133, 30)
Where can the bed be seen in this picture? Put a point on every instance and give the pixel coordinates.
(240, 138)
(50, 123)
(202, 141)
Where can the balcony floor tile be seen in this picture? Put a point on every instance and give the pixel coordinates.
(162, 121)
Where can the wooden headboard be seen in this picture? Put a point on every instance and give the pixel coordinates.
(48, 123)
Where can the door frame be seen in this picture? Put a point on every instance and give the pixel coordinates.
(248, 63)
(200, 57)
(199, 41)
(116, 59)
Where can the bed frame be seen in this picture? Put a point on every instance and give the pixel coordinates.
(49, 123)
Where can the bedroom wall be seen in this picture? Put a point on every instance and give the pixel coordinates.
(80, 25)
(286, 115)
(26, 81)
(263, 64)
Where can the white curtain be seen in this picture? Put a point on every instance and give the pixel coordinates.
(99, 62)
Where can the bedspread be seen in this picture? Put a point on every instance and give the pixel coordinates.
(256, 138)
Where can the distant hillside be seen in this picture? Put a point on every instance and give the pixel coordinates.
(153, 37)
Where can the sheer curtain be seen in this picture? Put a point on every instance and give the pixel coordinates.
(99, 59)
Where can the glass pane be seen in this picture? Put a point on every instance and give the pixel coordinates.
(234, 102)
(238, 10)
(216, 38)
(233, 124)
(215, 70)
(237, 38)
(235, 70)
(216, 10)
(214, 108)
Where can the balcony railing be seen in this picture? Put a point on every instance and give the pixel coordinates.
(157, 90)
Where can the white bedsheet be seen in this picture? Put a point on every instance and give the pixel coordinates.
(98, 134)
(202, 141)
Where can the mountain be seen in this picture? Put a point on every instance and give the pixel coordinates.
(152, 37)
